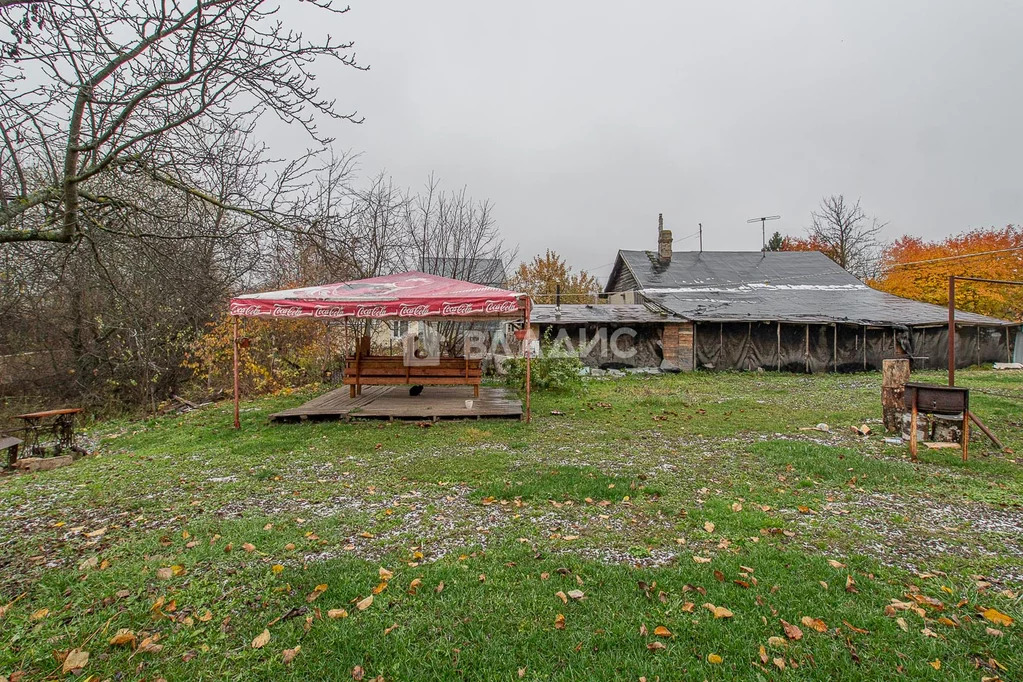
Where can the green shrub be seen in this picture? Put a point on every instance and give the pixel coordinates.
(555, 368)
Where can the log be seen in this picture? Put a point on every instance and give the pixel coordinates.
(895, 374)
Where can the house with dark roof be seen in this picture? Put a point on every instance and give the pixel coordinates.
(487, 271)
(791, 311)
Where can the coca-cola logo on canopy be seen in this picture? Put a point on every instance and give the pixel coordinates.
(413, 310)
(247, 309)
(371, 311)
(287, 311)
(329, 312)
(456, 309)
(500, 306)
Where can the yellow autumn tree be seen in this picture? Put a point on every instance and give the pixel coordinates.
(918, 269)
(274, 354)
(541, 277)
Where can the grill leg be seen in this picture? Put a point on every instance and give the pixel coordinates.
(912, 430)
(966, 435)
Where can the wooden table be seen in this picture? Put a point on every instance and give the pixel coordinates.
(61, 423)
(11, 445)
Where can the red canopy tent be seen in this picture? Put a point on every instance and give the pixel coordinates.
(407, 295)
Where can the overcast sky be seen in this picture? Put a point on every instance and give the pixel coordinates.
(582, 121)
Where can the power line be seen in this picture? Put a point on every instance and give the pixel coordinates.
(960, 257)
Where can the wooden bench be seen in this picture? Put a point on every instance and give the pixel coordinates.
(391, 370)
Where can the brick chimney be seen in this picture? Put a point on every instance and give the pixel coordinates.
(663, 240)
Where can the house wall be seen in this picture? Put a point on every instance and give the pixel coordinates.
(677, 346)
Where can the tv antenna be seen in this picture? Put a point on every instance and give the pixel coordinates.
(763, 230)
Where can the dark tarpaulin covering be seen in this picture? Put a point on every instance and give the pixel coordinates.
(843, 348)
(638, 345)
(974, 346)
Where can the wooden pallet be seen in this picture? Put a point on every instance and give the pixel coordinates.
(394, 402)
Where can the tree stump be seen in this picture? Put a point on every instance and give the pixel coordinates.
(895, 374)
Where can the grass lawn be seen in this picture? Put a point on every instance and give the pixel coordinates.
(670, 527)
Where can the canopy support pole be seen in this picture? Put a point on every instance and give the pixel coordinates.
(952, 333)
(529, 414)
(237, 422)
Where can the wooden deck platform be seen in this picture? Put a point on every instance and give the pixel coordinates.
(394, 402)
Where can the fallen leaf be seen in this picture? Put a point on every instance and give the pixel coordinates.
(576, 594)
(40, 614)
(656, 646)
(850, 584)
(559, 621)
(927, 632)
(997, 617)
(317, 591)
(902, 623)
(249, 547)
(779, 662)
(288, 655)
(701, 560)
(836, 564)
(357, 673)
(714, 658)
(380, 588)
(815, 624)
(76, 659)
(562, 596)
(709, 526)
(936, 664)
(337, 613)
(777, 642)
(277, 568)
(662, 631)
(261, 639)
(385, 574)
(736, 507)
(993, 632)
(439, 588)
(365, 603)
(387, 631)
(165, 573)
(718, 611)
(123, 637)
(91, 562)
(792, 631)
(413, 586)
(149, 645)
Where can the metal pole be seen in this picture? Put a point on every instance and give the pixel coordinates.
(529, 415)
(701, 237)
(237, 421)
(951, 330)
